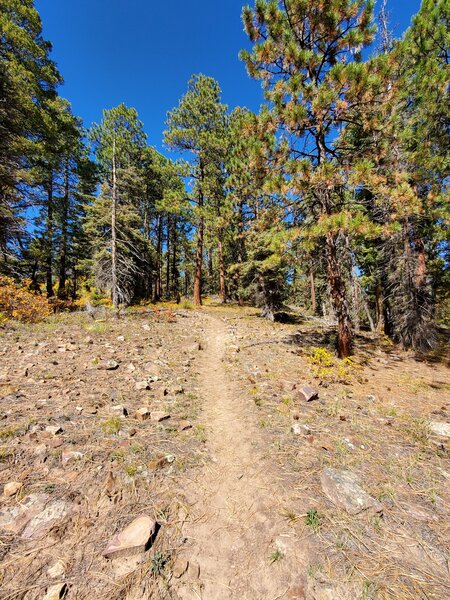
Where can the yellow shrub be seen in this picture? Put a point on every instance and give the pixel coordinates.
(17, 302)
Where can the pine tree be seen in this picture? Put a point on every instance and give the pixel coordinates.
(307, 54)
(198, 127)
(118, 141)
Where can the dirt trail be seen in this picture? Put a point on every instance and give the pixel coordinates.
(236, 526)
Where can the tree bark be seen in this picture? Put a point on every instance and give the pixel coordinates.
(338, 295)
(157, 289)
(114, 290)
(313, 293)
(63, 246)
(223, 291)
(199, 248)
(49, 245)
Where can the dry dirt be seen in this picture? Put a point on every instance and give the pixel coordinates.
(237, 495)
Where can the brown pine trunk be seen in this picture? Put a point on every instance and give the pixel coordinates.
(157, 290)
(199, 248)
(175, 284)
(114, 290)
(49, 249)
(379, 308)
(223, 292)
(340, 305)
(63, 247)
(241, 249)
(168, 257)
(313, 293)
(199, 264)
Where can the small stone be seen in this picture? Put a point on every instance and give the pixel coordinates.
(146, 327)
(56, 592)
(70, 456)
(120, 338)
(57, 570)
(108, 365)
(179, 568)
(371, 398)
(56, 443)
(131, 368)
(120, 409)
(53, 429)
(142, 414)
(142, 385)
(342, 488)
(159, 415)
(134, 539)
(307, 393)
(442, 429)
(11, 488)
(299, 429)
(184, 425)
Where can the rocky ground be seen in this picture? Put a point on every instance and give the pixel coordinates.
(177, 454)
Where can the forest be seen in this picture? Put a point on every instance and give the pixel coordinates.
(334, 197)
(224, 353)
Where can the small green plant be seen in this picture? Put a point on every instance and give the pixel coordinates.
(9, 432)
(158, 563)
(290, 516)
(187, 304)
(131, 470)
(112, 425)
(326, 366)
(276, 556)
(313, 520)
(257, 400)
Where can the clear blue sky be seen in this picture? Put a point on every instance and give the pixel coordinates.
(142, 52)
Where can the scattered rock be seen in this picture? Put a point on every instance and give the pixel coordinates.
(442, 429)
(108, 365)
(131, 368)
(56, 592)
(43, 521)
(142, 385)
(120, 338)
(184, 425)
(11, 488)
(342, 488)
(70, 456)
(132, 540)
(299, 429)
(142, 414)
(159, 463)
(159, 415)
(307, 393)
(15, 518)
(179, 568)
(120, 409)
(57, 570)
(53, 429)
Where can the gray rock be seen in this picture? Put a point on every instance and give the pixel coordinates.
(299, 429)
(342, 488)
(159, 415)
(442, 429)
(307, 393)
(56, 592)
(108, 365)
(15, 518)
(43, 521)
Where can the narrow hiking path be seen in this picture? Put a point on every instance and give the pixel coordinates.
(236, 533)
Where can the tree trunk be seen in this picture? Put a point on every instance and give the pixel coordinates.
(223, 292)
(199, 248)
(241, 249)
(63, 246)
(199, 263)
(175, 285)
(313, 293)
(157, 289)
(114, 290)
(379, 307)
(49, 248)
(168, 230)
(338, 295)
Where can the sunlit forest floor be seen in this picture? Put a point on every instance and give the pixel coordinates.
(233, 470)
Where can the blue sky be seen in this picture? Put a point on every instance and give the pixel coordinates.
(142, 52)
